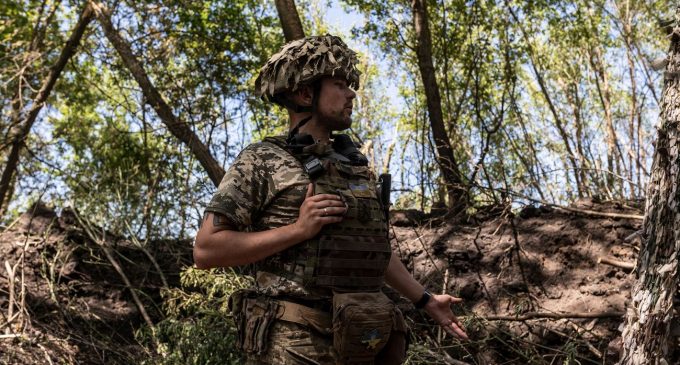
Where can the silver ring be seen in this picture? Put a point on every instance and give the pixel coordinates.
(325, 212)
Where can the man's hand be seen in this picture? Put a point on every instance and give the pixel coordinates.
(317, 211)
(439, 309)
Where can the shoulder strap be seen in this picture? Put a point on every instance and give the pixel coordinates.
(277, 140)
(311, 164)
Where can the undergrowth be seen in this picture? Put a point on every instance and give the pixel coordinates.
(197, 329)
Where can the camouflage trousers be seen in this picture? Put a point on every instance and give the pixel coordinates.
(293, 344)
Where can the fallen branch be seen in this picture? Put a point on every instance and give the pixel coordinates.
(12, 335)
(616, 263)
(553, 315)
(445, 288)
(596, 213)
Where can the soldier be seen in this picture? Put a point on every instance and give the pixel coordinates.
(305, 211)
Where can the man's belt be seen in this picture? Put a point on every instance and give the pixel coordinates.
(303, 315)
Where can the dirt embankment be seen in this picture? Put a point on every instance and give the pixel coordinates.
(536, 285)
(71, 305)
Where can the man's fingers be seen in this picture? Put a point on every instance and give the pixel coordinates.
(310, 191)
(329, 211)
(455, 300)
(328, 204)
(320, 197)
(330, 219)
(454, 330)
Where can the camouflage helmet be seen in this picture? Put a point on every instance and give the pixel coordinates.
(303, 61)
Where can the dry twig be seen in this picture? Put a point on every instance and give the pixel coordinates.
(554, 315)
(616, 263)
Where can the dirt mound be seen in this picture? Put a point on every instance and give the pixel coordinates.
(70, 305)
(534, 289)
(534, 280)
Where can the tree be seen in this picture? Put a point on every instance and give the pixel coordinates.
(290, 20)
(646, 336)
(445, 158)
(19, 131)
(176, 126)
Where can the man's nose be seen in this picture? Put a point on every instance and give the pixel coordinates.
(352, 93)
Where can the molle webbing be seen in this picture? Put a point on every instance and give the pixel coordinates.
(351, 261)
(348, 256)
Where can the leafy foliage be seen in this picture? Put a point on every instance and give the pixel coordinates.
(198, 328)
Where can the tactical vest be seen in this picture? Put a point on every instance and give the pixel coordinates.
(350, 256)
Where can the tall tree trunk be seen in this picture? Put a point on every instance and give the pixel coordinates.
(18, 132)
(626, 16)
(290, 20)
(177, 127)
(447, 163)
(559, 123)
(646, 336)
(614, 155)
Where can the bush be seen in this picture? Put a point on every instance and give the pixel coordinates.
(198, 328)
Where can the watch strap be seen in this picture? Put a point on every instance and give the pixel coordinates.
(420, 304)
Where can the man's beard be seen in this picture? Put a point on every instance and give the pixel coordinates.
(336, 122)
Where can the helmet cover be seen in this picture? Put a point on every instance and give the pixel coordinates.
(305, 60)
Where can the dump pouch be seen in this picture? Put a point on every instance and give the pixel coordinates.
(362, 323)
(253, 315)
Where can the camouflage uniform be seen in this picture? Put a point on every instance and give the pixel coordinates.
(264, 189)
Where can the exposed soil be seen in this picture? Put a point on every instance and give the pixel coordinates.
(544, 261)
(77, 307)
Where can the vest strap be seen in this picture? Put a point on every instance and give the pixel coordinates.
(356, 281)
(352, 263)
(354, 246)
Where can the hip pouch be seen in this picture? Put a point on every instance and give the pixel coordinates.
(253, 315)
(362, 323)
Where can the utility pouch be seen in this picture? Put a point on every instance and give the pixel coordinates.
(254, 315)
(362, 323)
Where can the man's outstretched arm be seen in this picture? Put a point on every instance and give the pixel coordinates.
(438, 307)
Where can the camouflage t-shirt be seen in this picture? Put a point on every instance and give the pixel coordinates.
(263, 189)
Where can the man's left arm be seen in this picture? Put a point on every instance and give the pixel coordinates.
(438, 307)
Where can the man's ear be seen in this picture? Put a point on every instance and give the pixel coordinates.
(303, 96)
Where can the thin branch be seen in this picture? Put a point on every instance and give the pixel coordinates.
(616, 263)
(553, 315)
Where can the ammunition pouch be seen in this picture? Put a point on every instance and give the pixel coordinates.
(362, 325)
(254, 315)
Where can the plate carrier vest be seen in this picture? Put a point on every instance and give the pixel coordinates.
(350, 256)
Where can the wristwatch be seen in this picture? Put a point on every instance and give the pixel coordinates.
(420, 304)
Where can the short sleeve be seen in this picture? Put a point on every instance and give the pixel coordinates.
(243, 190)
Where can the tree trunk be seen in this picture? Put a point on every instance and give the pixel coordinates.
(18, 132)
(614, 155)
(290, 20)
(177, 127)
(447, 163)
(646, 336)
